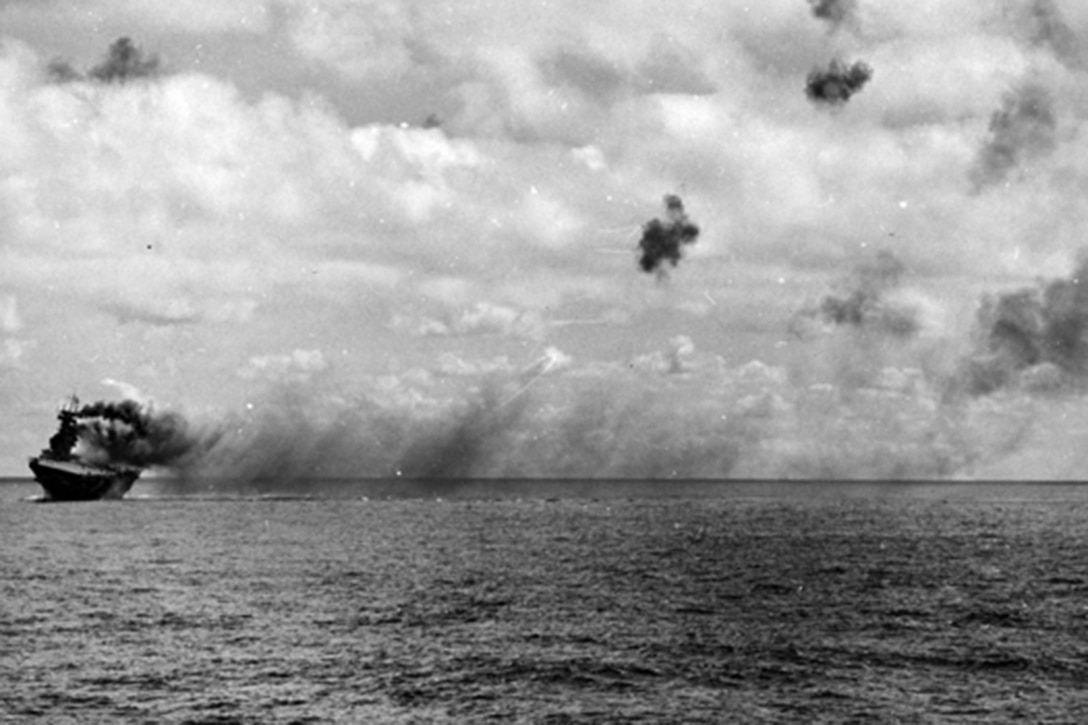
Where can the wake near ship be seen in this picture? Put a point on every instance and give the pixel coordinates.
(65, 476)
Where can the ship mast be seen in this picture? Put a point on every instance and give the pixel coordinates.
(64, 440)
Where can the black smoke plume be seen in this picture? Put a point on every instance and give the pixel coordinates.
(1023, 129)
(835, 85)
(863, 302)
(663, 241)
(132, 434)
(124, 62)
(1036, 336)
(835, 12)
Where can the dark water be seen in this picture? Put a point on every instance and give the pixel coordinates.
(847, 606)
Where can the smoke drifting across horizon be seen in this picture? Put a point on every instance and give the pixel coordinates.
(698, 420)
(836, 84)
(664, 241)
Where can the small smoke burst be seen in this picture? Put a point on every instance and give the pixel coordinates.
(1023, 129)
(663, 241)
(1037, 336)
(835, 85)
(835, 12)
(863, 302)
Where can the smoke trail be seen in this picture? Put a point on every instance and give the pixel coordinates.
(1035, 338)
(132, 434)
(1023, 129)
(835, 85)
(663, 241)
(304, 431)
(864, 302)
(834, 12)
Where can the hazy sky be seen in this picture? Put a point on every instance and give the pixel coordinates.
(337, 205)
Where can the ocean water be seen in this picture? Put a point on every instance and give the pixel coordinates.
(507, 602)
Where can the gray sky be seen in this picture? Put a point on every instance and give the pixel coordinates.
(273, 215)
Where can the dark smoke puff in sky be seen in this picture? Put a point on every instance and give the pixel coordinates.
(835, 85)
(862, 303)
(1037, 328)
(124, 61)
(1024, 128)
(663, 241)
(836, 12)
(130, 433)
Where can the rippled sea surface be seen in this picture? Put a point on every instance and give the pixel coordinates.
(968, 604)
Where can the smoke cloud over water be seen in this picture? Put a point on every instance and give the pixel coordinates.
(133, 434)
(709, 423)
(859, 402)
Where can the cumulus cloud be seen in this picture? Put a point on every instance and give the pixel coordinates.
(13, 351)
(298, 366)
(194, 16)
(179, 202)
(9, 315)
(482, 318)
(357, 39)
(672, 361)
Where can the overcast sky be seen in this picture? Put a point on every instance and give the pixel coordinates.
(392, 205)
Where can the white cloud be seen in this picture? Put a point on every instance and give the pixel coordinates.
(199, 16)
(128, 391)
(482, 318)
(9, 315)
(358, 38)
(189, 16)
(297, 366)
(677, 359)
(13, 351)
(455, 365)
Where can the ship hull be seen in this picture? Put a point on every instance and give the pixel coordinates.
(76, 481)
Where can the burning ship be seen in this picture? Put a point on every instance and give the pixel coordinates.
(66, 477)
